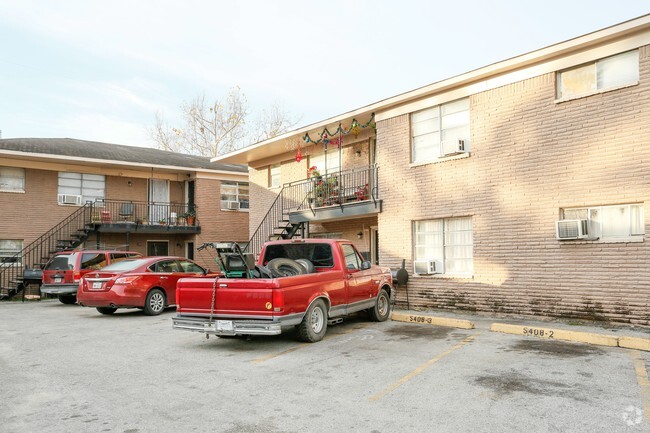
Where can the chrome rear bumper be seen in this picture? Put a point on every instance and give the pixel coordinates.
(226, 327)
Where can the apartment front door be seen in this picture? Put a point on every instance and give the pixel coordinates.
(158, 200)
(374, 245)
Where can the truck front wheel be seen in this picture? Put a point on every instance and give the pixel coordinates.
(381, 310)
(314, 324)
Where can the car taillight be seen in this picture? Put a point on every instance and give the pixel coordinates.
(125, 280)
(278, 300)
(76, 276)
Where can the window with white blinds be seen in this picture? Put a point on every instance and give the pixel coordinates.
(12, 179)
(608, 73)
(90, 187)
(435, 126)
(448, 240)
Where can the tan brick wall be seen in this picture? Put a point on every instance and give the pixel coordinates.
(530, 157)
(349, 229)
(263, 197)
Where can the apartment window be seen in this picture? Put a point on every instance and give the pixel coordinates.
(622, 222)
(326, 163)
(437, 130)
(608, 73)
(12, 179)
(274, 176)
(8, 250)
(88, 187)
(234, 195)
(448, 242)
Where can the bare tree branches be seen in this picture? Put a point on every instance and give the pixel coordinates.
(214, 128)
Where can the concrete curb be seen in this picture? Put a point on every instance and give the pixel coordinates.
(636, 343)
(430, 320)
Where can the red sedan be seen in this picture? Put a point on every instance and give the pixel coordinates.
(148, 283)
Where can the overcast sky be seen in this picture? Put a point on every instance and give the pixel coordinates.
(99, 70)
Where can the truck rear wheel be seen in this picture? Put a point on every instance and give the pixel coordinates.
(314, 325)
(381, 310)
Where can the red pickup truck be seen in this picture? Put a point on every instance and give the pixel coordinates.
(333, 281)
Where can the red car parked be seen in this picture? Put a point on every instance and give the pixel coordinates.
(148, 283)
(63, 272)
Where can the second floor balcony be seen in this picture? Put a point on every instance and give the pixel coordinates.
(343, 194)
(119, 216)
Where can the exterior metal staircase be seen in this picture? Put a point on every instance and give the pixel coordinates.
(18, 271)
(275, 225)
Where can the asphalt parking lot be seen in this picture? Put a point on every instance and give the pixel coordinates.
(65, 368)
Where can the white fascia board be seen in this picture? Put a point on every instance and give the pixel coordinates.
(65, 158)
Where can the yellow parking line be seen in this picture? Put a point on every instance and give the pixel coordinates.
(643, 380)
(420, 369)
(275, 355)
(293, 349)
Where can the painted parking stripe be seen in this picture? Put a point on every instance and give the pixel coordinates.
(421, 369)
(643, 380)
(293, 349)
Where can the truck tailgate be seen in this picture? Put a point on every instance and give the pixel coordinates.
(234, 297)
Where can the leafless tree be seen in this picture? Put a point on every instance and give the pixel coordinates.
(218, 127)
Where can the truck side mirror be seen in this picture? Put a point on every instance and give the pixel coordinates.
(365, 265)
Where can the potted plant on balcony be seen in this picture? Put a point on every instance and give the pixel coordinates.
(190, 217)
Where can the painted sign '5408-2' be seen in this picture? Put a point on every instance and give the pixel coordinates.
(535, 332)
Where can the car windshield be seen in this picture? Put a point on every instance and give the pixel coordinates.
(61, 262)
(125, 265)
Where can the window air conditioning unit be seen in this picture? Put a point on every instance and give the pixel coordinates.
(454, 147)
(426, 267)
(69, 199)
(572, 229)
(233, 205)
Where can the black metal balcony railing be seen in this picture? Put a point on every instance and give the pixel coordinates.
(332, 189)
(145, 213)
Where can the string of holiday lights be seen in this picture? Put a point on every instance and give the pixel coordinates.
(355, 129)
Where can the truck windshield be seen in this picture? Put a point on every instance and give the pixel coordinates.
(319, 254)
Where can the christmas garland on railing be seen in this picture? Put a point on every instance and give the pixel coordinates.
(355, 129)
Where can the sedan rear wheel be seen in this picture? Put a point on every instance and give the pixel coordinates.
(155, 303)
(107, 310)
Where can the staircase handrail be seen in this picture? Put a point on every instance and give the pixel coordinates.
(13, 271)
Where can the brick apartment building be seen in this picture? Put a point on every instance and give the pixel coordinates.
(467, 178)
(57, 191)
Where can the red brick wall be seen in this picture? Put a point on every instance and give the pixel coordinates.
(216, 225)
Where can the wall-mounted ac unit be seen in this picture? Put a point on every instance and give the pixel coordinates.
(233, 205)
(426, 267)
(454, 147)
(69, 199)
(572, 229)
